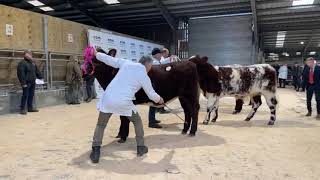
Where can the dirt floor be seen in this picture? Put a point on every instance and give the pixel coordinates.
(55, 144)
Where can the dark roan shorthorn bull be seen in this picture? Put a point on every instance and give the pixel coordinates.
(255, 80)
(170, 81)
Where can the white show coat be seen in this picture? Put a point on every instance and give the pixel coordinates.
(283, 72)
(118, 96)
(162, 61)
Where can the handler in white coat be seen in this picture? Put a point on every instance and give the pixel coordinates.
(283, 75)
(118, 96)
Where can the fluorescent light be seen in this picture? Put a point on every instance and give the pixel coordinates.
(302, 2)
(280, 38)
(35, 3)
(301, 42)
(312, 53)
(46, 8)
(111, 1)
(298, 53)
(285, 54)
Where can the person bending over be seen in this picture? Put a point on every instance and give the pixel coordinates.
(118, 96)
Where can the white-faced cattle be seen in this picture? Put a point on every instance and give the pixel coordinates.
(170, 81)
(254, 81)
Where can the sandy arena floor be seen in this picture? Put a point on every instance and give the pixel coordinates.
(55, 144)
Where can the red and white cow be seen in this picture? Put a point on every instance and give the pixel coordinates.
(240, 81)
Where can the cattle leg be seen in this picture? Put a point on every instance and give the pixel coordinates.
(187, 115)
(256, 103)
(238, 107)
(212, 107)
(272, 103)
(195, 113)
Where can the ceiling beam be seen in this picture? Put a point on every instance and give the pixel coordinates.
(165, 13)
(88, 14)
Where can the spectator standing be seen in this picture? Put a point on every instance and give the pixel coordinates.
(73, 81)
(28, 72)
(296, 74)
(311, 81)
(283, 75)
(89, 80)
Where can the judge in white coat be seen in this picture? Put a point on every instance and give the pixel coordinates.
(118, 96)
(283, 75)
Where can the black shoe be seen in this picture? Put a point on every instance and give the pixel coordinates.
(89, 100)
(23, 112)
(157, 121)
(122, 140)
(33, 110)
(308, 114)
(141, 150)
(155, 126)
(163, 111)
(118, 136)
(95, 154)
(76, 103)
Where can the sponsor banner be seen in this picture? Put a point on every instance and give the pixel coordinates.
(127, 48)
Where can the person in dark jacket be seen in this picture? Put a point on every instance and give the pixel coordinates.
(296, 74)
(89, 79)
(311, 81)
(73, 81)
(27, 72)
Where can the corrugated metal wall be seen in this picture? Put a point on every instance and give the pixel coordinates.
(225, 40)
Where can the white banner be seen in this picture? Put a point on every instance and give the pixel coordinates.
(127, 48)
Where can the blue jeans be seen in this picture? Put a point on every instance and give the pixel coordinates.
(152, 115)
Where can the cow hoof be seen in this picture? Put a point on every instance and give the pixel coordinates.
(235, 112)
(205, 122)
(184, 132)
(247, 119)
(192, 134)
(270, 123)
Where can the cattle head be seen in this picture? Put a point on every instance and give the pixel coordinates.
(102, 72)
(208, 75)
(209, 83)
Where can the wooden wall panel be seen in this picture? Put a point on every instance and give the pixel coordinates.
(27, 29)
(54, 34)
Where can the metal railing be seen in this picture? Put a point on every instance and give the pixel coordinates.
(9, 59)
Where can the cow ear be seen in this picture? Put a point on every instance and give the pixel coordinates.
(204, 60)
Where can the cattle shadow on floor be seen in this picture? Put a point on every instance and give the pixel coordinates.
(111, 159)
(263, 123)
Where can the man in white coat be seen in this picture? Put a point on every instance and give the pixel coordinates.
(283, 75)
(118, 96)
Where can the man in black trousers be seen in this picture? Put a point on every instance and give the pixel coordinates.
(296, 74)
(27, 72)
(311, 80)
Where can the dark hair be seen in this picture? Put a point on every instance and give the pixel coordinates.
(100, 50)
(112, 51)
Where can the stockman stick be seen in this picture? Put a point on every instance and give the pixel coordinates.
(173, 113)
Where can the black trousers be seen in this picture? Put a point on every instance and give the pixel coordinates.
(89, 84)
(296, 82)
(311, 89)
(282, 83)
(124, 127)
(27, 96)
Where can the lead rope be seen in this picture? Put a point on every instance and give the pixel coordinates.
(173, 113)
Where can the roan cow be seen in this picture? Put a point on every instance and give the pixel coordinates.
(254, 81)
